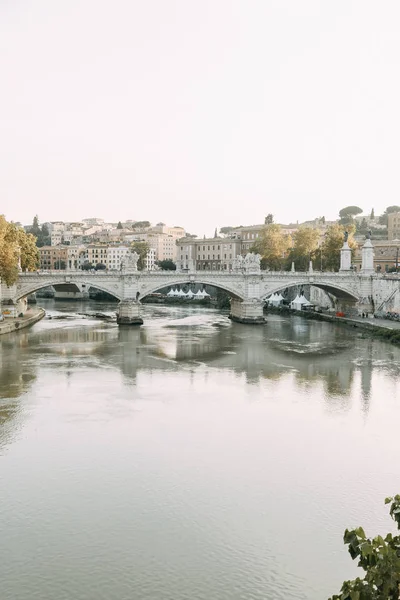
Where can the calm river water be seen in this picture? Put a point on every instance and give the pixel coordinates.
(192, 458)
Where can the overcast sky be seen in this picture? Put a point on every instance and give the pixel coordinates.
(199, 113)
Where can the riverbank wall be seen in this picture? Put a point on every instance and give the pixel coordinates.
(383, 330)
(32, 316)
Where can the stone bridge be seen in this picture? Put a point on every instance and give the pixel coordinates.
(248, 286)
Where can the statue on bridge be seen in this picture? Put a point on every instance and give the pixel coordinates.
(248, 263)
(346, 236)
(129, 263)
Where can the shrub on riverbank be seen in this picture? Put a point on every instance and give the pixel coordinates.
(380, 559)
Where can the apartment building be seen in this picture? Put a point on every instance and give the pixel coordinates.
(211, 254)
(386, 254)
(394, 226)
(51, 257)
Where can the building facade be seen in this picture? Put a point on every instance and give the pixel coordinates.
(386, 255)
(394, 226)
(208, 254)
(53, 258)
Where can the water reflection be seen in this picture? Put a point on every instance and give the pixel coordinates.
(163, 461)
(313, 353)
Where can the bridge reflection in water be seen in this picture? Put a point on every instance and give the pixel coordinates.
(170, 460)
(309, 352)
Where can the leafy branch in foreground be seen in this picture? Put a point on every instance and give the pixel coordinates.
(380, 559)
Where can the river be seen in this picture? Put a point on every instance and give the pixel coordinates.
(191, 458)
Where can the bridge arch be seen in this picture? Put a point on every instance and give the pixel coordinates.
(26, 289)
(229, 288)
(340, 292)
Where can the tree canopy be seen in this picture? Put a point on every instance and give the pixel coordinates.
(348, 213)
(41, 233)
(305, 246)
(383, 219)
(333, 242)
(16, 246)
(141, 224)
(142, 249)
(269, 219)
(273, 246)
(167, 265)
(379, 558)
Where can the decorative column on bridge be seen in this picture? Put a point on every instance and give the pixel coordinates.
(367, 262)
(129, 307)
(250, 309)
(345, 255)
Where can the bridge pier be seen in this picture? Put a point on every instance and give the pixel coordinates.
(249, 312)
(129, 313)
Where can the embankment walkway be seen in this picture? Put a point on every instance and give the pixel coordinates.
(32, 315)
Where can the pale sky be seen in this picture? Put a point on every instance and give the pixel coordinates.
(200, 113)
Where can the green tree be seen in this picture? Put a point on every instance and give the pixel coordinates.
(16, 246)
(226, 230)
(269, 219)
(167, 265)
(87, 266)
(348, 213)
(273, 246)
(380, 560)
(372, 215)
(141, 224)
(305, 246)
(383, 219)
(100, 267)
(29, 253)
(333, 242)
(142, 249)
(119, 226)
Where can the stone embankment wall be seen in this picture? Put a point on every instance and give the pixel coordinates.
(31, 316)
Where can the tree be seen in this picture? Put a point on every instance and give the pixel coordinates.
(383, 219)
(167, 265)
(100, 267)
(141, 224)
(379, 558)
(226, 230)
(273, 245)
(87, 266)
(348, 213)
(269, 219)
(29, 253)
(35, 229)
(119, 226)
(16, 246)
(305, 245)
(142, 249)
(333, 242)
(372, 215)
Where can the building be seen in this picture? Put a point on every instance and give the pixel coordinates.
(93, 221)
(210, 254)
(115, 256)
(53, 257)
(386, 255)
(394, 226)
(150, 260)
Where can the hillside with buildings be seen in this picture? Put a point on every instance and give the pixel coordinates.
(95, 243)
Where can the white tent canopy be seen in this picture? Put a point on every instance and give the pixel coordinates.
(298, 302)
(275, 299)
